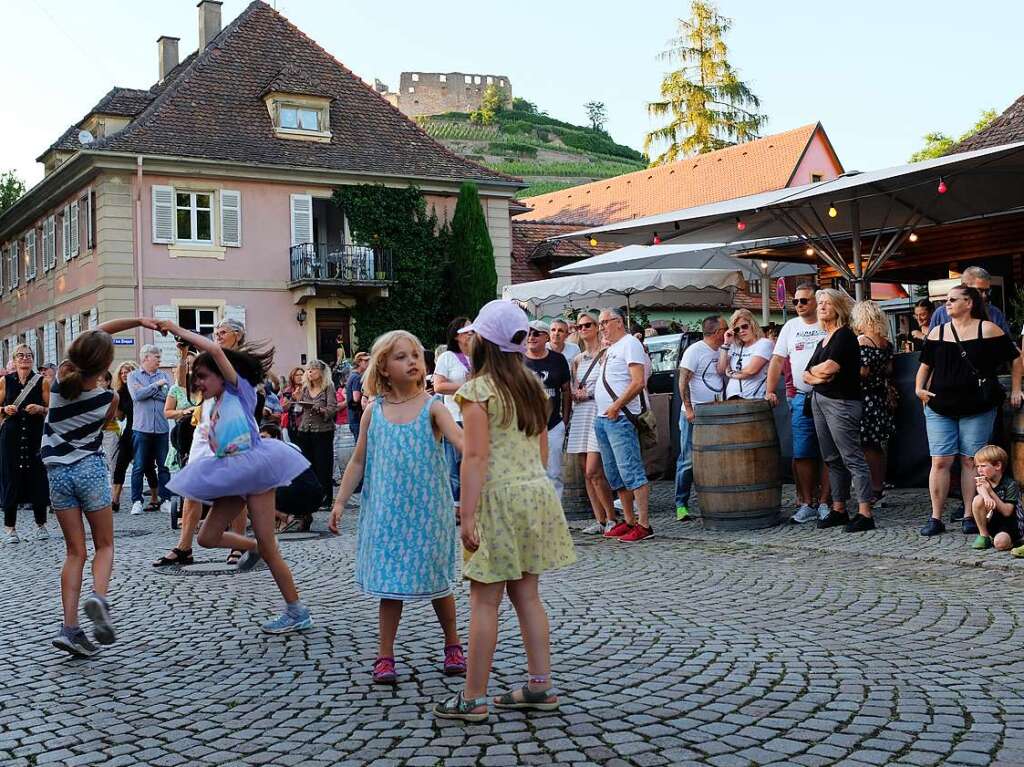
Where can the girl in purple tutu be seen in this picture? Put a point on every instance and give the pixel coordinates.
(243, 470)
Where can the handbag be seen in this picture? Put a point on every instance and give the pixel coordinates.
(990, 392)
(645, 422)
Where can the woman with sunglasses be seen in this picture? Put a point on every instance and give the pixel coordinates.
(22, 475)
(743, 358)
(585, 370)
(958, 387)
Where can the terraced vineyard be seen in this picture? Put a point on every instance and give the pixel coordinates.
(546, 153)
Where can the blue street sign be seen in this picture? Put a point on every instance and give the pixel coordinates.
(124, 342)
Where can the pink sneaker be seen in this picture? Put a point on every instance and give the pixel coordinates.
(454, 660)
(384, 671)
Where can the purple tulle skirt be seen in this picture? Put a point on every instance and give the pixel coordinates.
(267, 465)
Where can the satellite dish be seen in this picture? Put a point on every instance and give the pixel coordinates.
(84, 137)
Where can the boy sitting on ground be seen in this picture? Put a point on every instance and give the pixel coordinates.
(996, 507)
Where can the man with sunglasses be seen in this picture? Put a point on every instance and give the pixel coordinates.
(553, 371)
(978, 278)
(797, 341)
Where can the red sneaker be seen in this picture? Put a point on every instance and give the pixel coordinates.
(618, 531)
(638, 533)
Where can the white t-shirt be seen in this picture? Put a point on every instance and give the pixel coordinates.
(797, 341)
(201, 437)
(570, 351)
(450, 366)
(620, 355)
(705, 383)
(739, 358)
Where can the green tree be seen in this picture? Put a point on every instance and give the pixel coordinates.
(597, 114)
(474, 280)
(396, 221)
(494, 100)
(938, 144)
(709, 108)
(11, 188)
(522, 105)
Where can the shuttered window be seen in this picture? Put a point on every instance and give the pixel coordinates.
(14, 269)
(230, 218)
(302, 218)
(163, 214)
(75, 233)
(65, 233)
(30, 255)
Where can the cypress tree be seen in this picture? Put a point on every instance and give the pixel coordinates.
(474, 278)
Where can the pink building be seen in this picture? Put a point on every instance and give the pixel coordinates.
(208, 196)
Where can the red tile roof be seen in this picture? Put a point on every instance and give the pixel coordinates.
(1005, 129)
(756, 166)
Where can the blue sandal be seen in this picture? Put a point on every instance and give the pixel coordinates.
(458, 707)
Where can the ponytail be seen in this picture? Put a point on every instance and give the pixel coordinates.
(71, 382)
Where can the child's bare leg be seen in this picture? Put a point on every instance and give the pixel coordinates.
(980, 514)
(484, 600)
(390, 614)
(533, 624)
(213, 533)
(73, 528)
(101, 524)
(261, 516)
(444, 607)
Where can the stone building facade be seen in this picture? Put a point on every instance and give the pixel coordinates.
(433, 93)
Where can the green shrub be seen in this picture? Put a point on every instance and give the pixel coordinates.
(517, 147)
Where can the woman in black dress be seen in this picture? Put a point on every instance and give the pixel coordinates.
(22, 474)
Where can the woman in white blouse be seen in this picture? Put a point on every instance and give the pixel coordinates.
(451, 370)
(743, 358)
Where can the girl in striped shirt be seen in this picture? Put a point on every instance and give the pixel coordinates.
(72, 452)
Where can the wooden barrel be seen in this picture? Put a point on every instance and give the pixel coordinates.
(1017, 444)
(575, 501)
(736, 465)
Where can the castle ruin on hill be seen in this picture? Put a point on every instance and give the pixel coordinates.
(433, 93)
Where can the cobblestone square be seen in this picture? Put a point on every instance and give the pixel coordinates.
(789, 646)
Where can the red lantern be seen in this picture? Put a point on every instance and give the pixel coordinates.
(740, 224)
(657, 239)
(942, 186)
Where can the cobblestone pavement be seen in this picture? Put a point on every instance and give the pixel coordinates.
(789, 646)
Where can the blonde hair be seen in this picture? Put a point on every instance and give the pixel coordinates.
(744, 314)
(321, 366)
(992, 454)
(120, 369)
(841, 303)
(375, 380)
(867, 315)
(26, 347)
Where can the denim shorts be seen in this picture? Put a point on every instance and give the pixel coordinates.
(620, 453)
(805, 438)
(958, 436)
(83, 485)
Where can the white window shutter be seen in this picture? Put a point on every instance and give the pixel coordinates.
(52, 240)
(15, 259)
(168, 348)
(94, 318)
(30, 255)
(50, 344)
(68, 334)
(90, 235)
(230, 218)
(76, 326)
(30, 339)
(74, 230)
(163, 214)
(302, 218)
(235, 313)
(65, 232)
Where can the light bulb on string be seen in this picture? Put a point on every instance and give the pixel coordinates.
(809, 251)
(740, 224)
(832, 212)
(593, 242)
(657, 239)
(942, 189)
(913, 237)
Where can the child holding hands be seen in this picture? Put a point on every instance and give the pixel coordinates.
(996, 507)
(407, 547)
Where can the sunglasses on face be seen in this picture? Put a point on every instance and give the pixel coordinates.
(584, 325)
(801, 301)
(741, 328)
(534, 333)
(954, 299)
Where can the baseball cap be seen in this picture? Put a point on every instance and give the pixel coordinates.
(500, 322)
(540, 326)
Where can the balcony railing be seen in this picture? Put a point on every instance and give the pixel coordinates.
(340, 264)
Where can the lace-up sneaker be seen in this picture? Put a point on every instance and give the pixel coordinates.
(834, 519)
(594, 528)
(384, 671)
(289, 622)
(860, 524)
(638, 533)
(608, 526)
(823, 510)
(41, 533)
(933, 527)
(454, 660)
(618, 531)
(682, 513)
(136, 508)
(804, 514)
(97, 610)
(11, 538)
(75, 642)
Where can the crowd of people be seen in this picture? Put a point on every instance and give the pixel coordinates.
(482, 429)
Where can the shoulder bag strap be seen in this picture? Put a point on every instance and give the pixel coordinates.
(597, 358)
(614, 396)
(29, 386)
(963, 352)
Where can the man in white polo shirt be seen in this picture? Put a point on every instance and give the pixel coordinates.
(797, 341)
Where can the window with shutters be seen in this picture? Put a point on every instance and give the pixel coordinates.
(90, 219)
(49, 246)
(198, 319)
(30, 255)
(193, 221)
(302, 218)
(74, 230)
(230, 218)
(13, 265)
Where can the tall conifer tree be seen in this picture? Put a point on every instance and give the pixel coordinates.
(474, 279)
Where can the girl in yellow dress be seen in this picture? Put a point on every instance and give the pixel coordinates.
(512, 522)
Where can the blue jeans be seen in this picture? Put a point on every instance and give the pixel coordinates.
(684, 465)
(620, 453)
(454, 458)
(148, 447)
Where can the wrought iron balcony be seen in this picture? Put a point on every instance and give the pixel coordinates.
(339, 264)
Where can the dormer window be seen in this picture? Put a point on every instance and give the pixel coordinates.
(301, 117)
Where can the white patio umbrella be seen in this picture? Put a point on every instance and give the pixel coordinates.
(696, 256)
(638, 287)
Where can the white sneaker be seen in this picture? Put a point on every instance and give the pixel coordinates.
(137, 507)
(165, 507)
(11, 537)
(617, 504)
(804, 514)
(609, 525)
(41, 533)
(594, 528)
(823, 510)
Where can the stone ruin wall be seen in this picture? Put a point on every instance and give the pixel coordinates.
(432, 93)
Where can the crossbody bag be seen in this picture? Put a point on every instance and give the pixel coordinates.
(645, 422)
(990, 393)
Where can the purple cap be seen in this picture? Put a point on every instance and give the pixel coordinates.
(499, 322)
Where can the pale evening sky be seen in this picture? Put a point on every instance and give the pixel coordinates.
(877, 73)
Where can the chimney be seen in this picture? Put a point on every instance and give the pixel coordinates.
(167, 52)
(209, 21)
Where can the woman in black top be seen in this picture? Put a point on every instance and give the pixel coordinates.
(958, 386)
(837, 405)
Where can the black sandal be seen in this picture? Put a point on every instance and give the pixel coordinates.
(537, 700)
(181, 558)
(457, 707)
(234, 556)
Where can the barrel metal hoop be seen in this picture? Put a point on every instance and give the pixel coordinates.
(777, 484)
(735, 446)
(1017, 438)
(728, 419)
